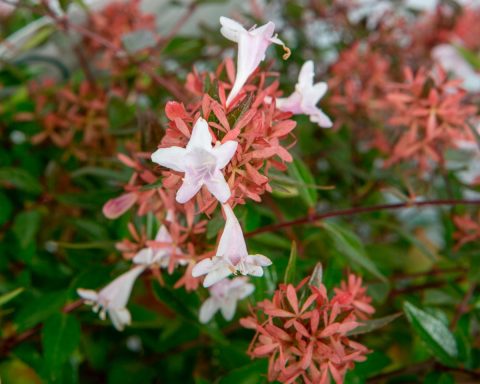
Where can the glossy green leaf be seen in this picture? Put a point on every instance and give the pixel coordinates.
(299, 171)
(19, 179)
(374, 324)
(350, 246)
(436, 335)
(60, 337)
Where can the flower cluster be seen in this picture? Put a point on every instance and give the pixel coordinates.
(73, 117)
(308, 338)
(430, 114)
(216, 149)
(113, 23)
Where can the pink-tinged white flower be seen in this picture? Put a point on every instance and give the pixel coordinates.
(201, 163)
(306, 96)
(252, 45)
(112, 299)
(224, 296)
(160, 256)
(231, 256)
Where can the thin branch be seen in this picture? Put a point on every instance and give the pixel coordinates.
(310, 219)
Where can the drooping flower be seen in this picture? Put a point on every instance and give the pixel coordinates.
(224, 296)
(201, 163)
(252, 45)
(231, 256)
(161, 257)
(306, 96)
(112, 299)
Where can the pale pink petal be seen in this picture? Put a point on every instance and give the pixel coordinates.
(171, 157)
(201, 137)
(87, 294)
(224, 153)
(320, 118)
(188, 189)
(231, 29)
(216, 275)
(117, 293)
(306, 75)
(208, 310)
(114, 208)
(163, 235)
(232, 242)
(202, 268)
(292, 103)
(228, 308)
(120, 317)
(144, 256)
(218, 187)
(260, 260)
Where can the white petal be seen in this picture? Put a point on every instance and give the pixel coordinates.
(144, 256)
(261, 260)
(231, 29)
(87, 294)
(224, 153)
(306, 75)
(216, 275)
(117, 293)
(201, 137)
(253, 270)
(163, 235)
(292, 103)
(232, 242)
(203, 267)
(191, 185)
(208, 310)
(228, 308)
(171, 157)
(312, 95)
(246, 291)
(321, 119)
(218, 187)
(120, 317)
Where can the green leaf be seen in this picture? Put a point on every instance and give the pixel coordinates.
(119, 114)
(433, 332)
(349, 245)
(372, 325)
(20, 179)
(292, 265)
(38, 309)
(60, 337)
(299, 171)
(26, 226)
(248, 374)
(5, 298)
(6, 208)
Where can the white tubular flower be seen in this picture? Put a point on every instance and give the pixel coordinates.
(306, 96)
(232, 256)
(113, 298)
(252, 45)
(201, 163)
(224, 296)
